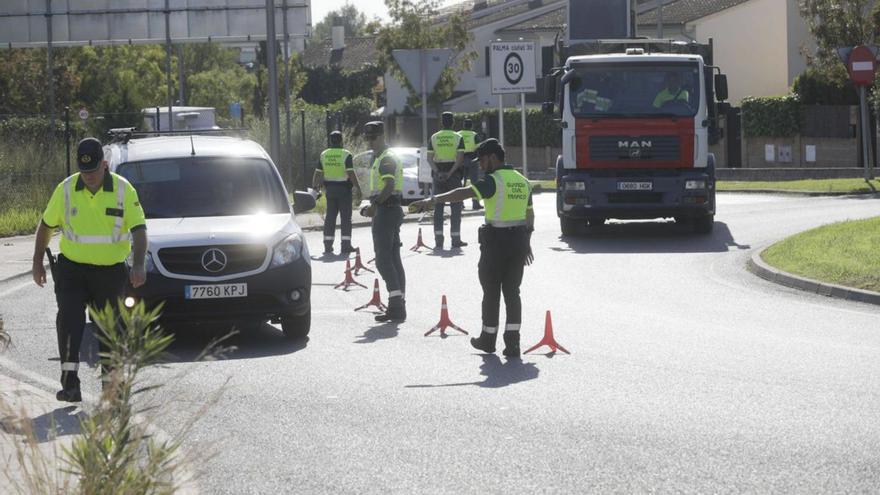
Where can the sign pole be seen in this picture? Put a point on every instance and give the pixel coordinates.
(866, 133)
(423, 66)
(522, 100)
(501, 119)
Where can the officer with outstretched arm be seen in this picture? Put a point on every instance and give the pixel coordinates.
(101, 222)
(505, 242)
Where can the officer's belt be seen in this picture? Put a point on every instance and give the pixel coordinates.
(444, 166)
(393, 200)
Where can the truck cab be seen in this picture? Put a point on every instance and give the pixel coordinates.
(637, 119)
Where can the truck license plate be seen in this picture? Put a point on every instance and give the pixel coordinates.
(635, 186)
(216, 291)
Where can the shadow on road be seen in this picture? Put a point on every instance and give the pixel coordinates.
(650, 237)
(498, 373)
(376, 333)
(46, 427)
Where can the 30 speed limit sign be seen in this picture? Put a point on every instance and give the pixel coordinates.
(512, 67)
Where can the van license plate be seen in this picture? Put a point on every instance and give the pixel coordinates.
(635, 186)
(216, 291)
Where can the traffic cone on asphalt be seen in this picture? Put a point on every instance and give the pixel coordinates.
(358, 266)
(444, 322)
(349, 280)
(419, 243)
(376, 300)
(548, 338)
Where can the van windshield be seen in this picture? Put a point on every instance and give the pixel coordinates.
(206, 186)
(636, 90)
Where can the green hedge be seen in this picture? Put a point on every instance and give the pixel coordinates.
(543, 130)
(772, 116)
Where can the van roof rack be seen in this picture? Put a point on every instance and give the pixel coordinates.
(125, 134)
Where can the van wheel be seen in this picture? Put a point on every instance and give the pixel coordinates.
(569, 226)
(297, 327)
(704, 224)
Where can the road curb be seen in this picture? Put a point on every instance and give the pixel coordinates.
(760, 268)
(798, 193)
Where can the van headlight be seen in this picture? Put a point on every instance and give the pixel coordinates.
(287, 251)
(695, 184)
(149, 266)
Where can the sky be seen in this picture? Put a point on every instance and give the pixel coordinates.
(371, 8)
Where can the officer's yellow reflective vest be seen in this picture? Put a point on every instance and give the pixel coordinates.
(445, 144)
(470, 140)
(377, 178)
(333, 163)
(508, 206)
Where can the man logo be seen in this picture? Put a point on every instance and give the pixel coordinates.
(214, 260)
(635, 153)
(635, 144)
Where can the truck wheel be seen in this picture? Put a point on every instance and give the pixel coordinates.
(569, 226)
(297, 327)
(704, 224)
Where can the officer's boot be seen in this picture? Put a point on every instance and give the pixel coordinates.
(475, 205)
(511, 344)
(396, 311)
(346, 247)
(328, 247)
(70, 391)
(438, 242)
(457, 242)
(485, 342)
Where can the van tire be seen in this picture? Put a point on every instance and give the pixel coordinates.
(296, 327)
(569, 226)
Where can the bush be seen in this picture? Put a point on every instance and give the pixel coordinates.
(772, 116)
(542, 130)
(815, 87)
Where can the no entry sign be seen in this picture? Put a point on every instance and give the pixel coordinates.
(862, 66)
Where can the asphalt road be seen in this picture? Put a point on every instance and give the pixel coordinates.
(687, 373)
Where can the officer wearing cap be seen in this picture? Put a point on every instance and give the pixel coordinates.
(386, 184)
(471, 138)
(505, 241)
(101, 222)
(446, 157)
(336, 173)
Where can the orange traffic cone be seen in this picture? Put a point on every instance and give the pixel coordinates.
(548, 339)
(444, 322)
(376, 300)
(358, 266)
(349, 280)
(419, 244)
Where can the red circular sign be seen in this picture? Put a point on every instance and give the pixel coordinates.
(862, 66)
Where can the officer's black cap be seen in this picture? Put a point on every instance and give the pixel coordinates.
(89, 154)
(374, 128)
(336, 137)
(447, 118)
(468, 123)
(490, 146)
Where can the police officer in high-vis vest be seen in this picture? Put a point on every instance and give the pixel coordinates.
(471, 138)
(505, 242)
(101, 222)
(335, 172)
(386, 179)
(446, 157)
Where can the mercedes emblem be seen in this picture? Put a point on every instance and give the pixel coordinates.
(214, 260)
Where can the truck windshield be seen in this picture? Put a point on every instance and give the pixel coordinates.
(206, 186)
(636, 90)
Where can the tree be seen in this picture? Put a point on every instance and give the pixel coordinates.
(838, 23)
(354, 21)
(415, 24)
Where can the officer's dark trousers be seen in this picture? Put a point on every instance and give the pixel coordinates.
(502, 255)
(452, 182)
(76, 286)
(386, 243)
(338, 203)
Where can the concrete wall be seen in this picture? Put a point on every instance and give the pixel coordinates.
(829, 152)
(540, 160)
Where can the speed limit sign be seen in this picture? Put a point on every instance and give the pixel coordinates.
(513, 67)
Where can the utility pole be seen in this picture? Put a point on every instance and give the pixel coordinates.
(274, 132)
(659, 19)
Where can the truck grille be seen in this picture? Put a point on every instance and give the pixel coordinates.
(634, 148)
(209, 261)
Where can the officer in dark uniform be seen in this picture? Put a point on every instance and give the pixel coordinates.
(336, 173)
(504, 242)
(386, 179)
(446, 157)
(101, 222)
(471, 138)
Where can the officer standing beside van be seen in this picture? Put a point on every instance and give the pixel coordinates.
(505, 242)
(101, 222)
(446, 157)
(335, 172)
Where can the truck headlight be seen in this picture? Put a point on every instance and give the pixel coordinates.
(287, 251)
(149, 266)
(575, 186)
(695, 184)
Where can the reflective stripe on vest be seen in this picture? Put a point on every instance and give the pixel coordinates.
(470, 140)
(333, 162)
(116, 236)
(445, 144)
(376, 180)
(507, 207)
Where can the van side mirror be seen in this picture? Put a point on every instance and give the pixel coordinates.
(550, 92)
(720, 87)
(303, 202)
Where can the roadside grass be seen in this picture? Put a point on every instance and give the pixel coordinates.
(842, 253)
(19, 221)
(849, 186)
